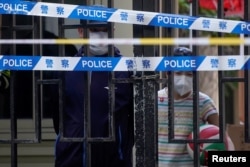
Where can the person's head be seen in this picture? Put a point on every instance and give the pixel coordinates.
(182, 51)
(96, 30)
(183, 80)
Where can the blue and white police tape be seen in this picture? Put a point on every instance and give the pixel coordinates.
(123, 16)
(135, 41)
(190, 63)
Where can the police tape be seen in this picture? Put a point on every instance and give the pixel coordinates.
(179, 63)
(123, 16)
(135, 41)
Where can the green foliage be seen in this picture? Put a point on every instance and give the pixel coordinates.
(184, 9)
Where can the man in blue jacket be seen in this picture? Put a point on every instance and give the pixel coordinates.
(103, 154)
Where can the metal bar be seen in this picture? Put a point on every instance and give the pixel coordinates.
(19, 141)
(169, 32)
(150, 134)
(23, 27)
(111, 92)
(36, 49)
(13, 115)
(247, 107)
(84, 139)
(38, 127)
(222, 122)
(246, 84)
(13, 118)
(38, 112)
(37, 120)
(196, 116)
(196, 124)
(13, 29)
(61, 100)
(144, 118)
(139, 129)
(171, 132)
(87, 110)
(37, 33)
(197, 141)
(138, 101)
(234, 79)
(155, 110)
(87, 117)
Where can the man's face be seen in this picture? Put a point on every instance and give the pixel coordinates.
(99, 33)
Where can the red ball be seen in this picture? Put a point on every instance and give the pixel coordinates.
(209, 131)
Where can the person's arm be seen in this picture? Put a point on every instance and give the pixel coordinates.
(213, 119)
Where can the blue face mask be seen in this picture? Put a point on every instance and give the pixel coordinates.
(98, 49)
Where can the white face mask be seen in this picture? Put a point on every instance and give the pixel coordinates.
(98, 49)
(183, 84)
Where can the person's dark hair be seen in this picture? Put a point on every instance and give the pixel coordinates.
(95, 23)
(182, 51)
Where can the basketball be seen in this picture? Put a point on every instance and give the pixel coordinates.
(209, 131)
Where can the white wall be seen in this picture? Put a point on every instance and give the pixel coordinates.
(124, 30)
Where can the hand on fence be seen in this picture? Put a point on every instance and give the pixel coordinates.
(4, 80)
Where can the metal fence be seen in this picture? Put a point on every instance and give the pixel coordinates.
(146, 84)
